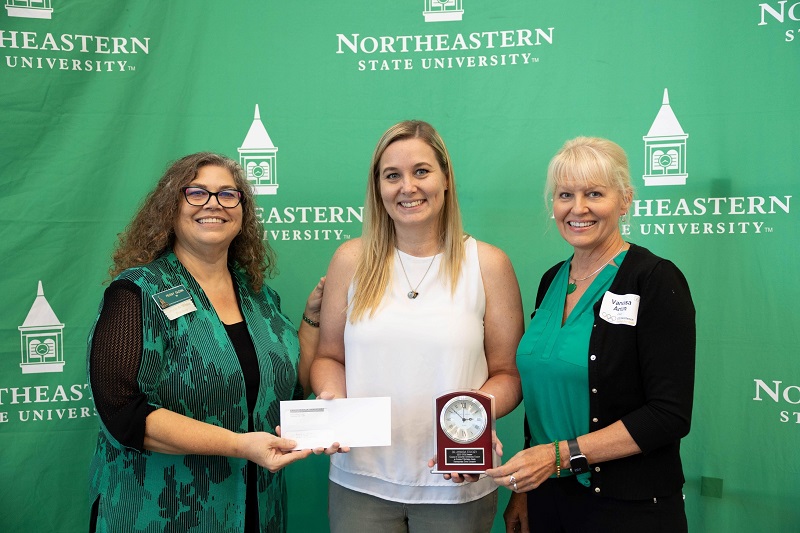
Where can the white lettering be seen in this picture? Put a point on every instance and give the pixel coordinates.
(774, 394)
(786, 394)
(778, 15)
(766, 8)
(442, 42)
(97, 44)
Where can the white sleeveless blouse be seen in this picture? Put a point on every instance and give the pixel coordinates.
(413, 351)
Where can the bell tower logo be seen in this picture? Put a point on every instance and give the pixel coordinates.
(443, 10)
(42, 338)
(259, 157)
(665, 149)
(32, 9)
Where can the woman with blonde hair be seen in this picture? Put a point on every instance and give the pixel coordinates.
(607, 367)
(413, 309)
(188, 361)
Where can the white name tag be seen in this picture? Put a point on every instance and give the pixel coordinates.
(620, 308)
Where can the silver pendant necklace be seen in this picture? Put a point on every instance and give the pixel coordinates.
(412, 294)
(573, 282)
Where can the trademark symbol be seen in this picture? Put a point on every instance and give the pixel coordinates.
(769, 230)
(131, 68)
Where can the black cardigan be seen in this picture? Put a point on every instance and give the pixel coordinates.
(642, 375)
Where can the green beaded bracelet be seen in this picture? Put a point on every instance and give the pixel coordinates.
(558, 459)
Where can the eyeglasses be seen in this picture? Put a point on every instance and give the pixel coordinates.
(227, 198)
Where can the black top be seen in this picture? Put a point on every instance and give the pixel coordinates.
(246, 352)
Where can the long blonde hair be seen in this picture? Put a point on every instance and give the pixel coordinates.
(151, 232)
(379, 238)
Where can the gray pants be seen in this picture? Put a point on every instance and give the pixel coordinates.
(355, 512)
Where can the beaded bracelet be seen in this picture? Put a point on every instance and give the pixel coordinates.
(558, 459)
(310, 322)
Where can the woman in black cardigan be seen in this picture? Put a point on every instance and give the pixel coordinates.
(607, 367)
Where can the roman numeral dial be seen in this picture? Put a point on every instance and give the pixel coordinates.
(463, 419)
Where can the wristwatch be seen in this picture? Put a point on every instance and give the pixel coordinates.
(577, 461)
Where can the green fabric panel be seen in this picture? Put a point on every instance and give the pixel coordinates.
(89, 123)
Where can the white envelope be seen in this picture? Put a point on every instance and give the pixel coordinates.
(353, 422)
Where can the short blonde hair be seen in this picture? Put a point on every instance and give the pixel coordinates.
(589, 160)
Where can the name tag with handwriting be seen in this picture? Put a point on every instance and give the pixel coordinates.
(620, 308)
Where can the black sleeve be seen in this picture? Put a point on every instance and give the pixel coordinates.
(114, 361)
(666, 338)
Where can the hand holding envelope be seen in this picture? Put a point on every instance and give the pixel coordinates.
(335, 447)
(267, 450)
(351, 422)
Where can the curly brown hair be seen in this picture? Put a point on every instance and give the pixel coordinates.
(151, 232)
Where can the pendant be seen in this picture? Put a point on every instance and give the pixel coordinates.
(412, 294)
(571, 287)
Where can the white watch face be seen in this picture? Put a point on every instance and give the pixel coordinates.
(463, 419)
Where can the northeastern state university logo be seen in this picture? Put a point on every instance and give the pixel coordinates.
(666, 207)
(447, 47)
(290, 219)
(32, 47)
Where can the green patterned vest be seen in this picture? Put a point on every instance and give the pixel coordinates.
(189, 366)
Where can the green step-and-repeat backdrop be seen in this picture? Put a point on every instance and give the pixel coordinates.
(97, 97)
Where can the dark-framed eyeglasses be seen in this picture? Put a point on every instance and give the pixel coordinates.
(227, 198)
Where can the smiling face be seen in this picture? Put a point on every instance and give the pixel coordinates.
(412, 183)
(587, 214)
(588, 181)
(209, 227)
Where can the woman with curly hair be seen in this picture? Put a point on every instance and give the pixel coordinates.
(188, 361)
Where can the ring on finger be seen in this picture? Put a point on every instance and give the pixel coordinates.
(512, 481)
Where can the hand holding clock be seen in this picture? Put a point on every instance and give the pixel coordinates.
(530, 468)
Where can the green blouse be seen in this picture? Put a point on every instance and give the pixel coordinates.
(553, 360)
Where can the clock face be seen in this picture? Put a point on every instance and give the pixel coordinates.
(463, 419)
(665, 160)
